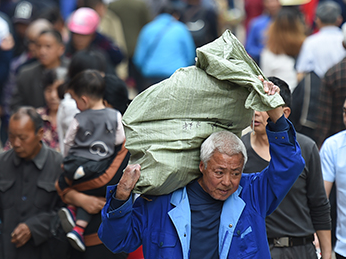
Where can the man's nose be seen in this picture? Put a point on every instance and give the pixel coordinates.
(16, 142)
(226, 180)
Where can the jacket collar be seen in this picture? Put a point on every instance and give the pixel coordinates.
(38, 160)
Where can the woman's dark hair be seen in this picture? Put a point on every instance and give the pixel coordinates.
(48, 78)
(86, 59)
(116, 93)
(52, 14)
(286, 33)
(285, 91)
(51, 75)
(89, 83)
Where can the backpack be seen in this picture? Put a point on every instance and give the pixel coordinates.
(195, 20)
(305, 104)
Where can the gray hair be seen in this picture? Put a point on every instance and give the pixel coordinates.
(224, 142)
(328, 12)
(31, 113)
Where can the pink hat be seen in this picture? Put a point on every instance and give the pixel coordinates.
(84, 21)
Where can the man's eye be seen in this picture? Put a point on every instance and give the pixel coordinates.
(218, 172)
(235, 175)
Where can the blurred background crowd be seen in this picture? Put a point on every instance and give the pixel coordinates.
(44, 44)
(143, 42)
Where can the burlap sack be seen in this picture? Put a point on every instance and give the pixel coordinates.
(166, 124)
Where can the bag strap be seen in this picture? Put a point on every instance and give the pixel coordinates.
(155, 43)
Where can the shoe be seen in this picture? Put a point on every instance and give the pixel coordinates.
(68, 219)
(76, 240)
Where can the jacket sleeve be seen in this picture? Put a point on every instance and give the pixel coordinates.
(268, 188)
(39, 225)
(121, 227)
(318, 202)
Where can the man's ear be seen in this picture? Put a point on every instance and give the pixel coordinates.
(39, 133)
(287, 112)
(201, 166)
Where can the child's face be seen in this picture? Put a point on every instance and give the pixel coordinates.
(81, 102)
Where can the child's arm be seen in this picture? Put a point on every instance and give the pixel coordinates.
(70, 136)
(119, 133)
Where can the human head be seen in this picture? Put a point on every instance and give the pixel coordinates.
(223, 156)
(116, 94)
(87, 85)
(286, 33)
(224, 142)
(328, 13)
(24, 14)
(51, 81)
(33, 31)
(87, 59)
(53, 15)
(83, 24)
(172, 10)
(272, 7)
(50, 48)
(97, 5)
(25, 132)
(343, 28)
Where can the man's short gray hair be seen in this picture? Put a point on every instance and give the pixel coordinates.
(224, 142)
(328, 12)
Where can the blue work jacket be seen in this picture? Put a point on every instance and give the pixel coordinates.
(163, 223)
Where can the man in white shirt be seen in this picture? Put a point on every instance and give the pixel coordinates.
(323, 49)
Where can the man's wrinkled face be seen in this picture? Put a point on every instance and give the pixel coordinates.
(25, 141)
(222, 175)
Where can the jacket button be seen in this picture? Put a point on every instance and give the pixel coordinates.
(230, 225)
(161, 244)
(283, 137)
(110, 191)
(238, 232)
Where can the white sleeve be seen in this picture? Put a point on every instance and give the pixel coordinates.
(119, 133)
(328, 162)
(70, 136)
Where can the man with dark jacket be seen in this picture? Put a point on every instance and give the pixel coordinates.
(28, 198)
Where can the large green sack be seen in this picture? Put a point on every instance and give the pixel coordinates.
(166, 124)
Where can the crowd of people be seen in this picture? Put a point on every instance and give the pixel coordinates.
(70, 68)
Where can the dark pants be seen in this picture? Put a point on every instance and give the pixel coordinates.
(339, 256)
(99, 251)
(82, 214)
(307, 251)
